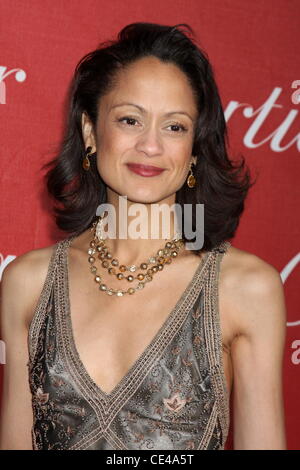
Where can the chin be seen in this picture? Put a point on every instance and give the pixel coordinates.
(142, 194)
(144, 197)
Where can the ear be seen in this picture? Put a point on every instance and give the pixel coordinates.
(194, 160)
(88, 132)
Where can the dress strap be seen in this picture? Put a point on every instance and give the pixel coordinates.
(214, 338)
(40, 309)
(212, 294)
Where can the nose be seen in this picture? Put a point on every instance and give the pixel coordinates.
(150, 142)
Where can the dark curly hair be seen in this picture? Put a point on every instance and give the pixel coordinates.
(222, 186)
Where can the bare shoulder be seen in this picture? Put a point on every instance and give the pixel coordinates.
(25, 276)
(252, 290)
(255, 273)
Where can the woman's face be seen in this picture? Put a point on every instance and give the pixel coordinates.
(156, 129)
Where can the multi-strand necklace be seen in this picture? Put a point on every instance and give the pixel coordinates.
(148, 268)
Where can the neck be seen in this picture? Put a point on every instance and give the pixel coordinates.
(136, 232)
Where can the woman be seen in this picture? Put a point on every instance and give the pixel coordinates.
(129, 348)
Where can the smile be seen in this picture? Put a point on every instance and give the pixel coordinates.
(145, 170)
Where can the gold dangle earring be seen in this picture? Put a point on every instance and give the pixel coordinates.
(191, 180)
(86, 164)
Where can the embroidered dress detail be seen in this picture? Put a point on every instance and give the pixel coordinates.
(174, 396)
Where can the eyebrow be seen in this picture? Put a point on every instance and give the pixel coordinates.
(143, 109)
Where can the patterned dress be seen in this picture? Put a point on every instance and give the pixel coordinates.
(174, 397)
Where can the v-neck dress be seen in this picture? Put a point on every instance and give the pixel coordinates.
(174, 397)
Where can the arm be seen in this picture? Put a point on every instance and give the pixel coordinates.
(16, 416)
(16, 413)
(257, 355)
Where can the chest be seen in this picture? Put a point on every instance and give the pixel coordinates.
(118, 330)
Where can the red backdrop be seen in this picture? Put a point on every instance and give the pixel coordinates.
(253, 48)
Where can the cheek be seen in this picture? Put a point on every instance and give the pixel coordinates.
(113, 144)
(181, 151)
(106, 150)
(181, 160)
(111, 149)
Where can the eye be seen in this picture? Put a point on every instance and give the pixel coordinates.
(180, 126)
(127, 118)
(132, 120)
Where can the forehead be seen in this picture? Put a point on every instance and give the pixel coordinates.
(153, 84)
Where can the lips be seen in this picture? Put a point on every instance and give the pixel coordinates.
(145, 170)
